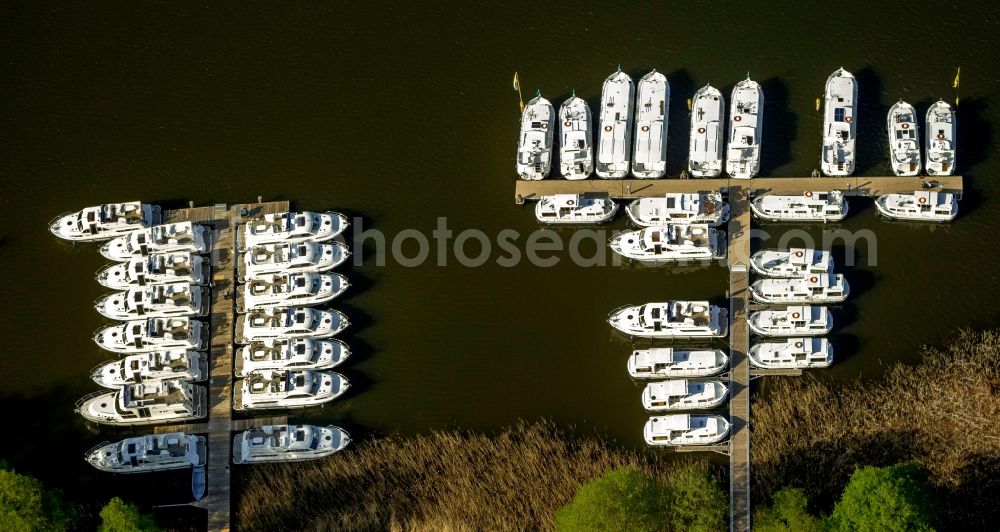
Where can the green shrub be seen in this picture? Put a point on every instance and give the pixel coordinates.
(894, 498)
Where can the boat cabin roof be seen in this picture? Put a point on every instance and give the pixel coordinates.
(809, 257)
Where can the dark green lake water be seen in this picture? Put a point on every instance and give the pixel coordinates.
(401, 114)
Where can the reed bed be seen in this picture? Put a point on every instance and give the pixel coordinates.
(514, 480)
(941, 413)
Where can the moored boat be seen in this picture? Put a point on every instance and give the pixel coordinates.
(292, 322)
(791, 263)
(810, 206)
(793, 353)
(921, 206)
(671, 319)
(746, 117)
(575, 209)
(291, 227)
(146, 403)
(683, 394)
(941, 131)
(671, 243)
(679, 208)
(670, 363)
(182, 266)
(287, 354)
(285, 257)
(167, 238)
(614, 145)
(839, 127)
(287, 443)
(176, 364)
(105, 221)
(705, 145)
(576, 155)
(287, 389)
(819, 288)
(291, 289)
(534, 147)
(652, 104)
(154, 301)
(685, 429)
(904, 139)
(800, 320)
(152, 452)
(153, 334)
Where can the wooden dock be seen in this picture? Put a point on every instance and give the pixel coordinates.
(644, 188)
(739, 344)
(222, 222)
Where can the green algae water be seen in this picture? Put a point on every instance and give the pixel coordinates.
(399, 115)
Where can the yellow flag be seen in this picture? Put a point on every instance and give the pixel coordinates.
(517, 84)
(522, 106)
(958, 73)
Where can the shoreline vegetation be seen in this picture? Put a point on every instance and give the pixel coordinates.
(939, 414)
(515, 479)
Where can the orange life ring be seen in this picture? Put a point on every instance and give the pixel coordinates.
(545, 125)
(645, 128)
(847, 119)
(737, 118)
(608, 128)
(798, 253)
(795, 315)
(567, 123)
(922, 200)
(904, 125)
(941, 136)
(798, 345)
(813, 279)
(701, 130)
(808, 194)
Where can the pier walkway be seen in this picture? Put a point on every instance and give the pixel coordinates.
(221, 222)
(739, 344)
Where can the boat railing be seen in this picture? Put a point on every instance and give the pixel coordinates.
(619, 309)
(98, 369)
(96, 447)
(81, 401)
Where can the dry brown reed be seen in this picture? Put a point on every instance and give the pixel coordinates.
(941, 413)
(514, 480)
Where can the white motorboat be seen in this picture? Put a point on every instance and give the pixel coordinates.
(155, 268)
(705, 146)
(801, 320)
(941, 135)
(291, 227)
(287, 443)
(839, 128)
(793, 353)
(614, 145)
(575, 209)
(534, 147)
(811, 206)
(791, 263)
(904, 139)
(576, 155)
(671, 243)
(153, 334)
(295, 322)
(671, 319)
(301, 257)
(285, 353)
(652, 118)
(685, 429)
(146, 403)
(291, 289)
(670, 363)
(105, 221)
(152, 452)
(176, 364)
(746, 118)
(819, 288)
(679, 208)
(921, 206)
(271, 389)
(183, 236)
(154, 301)
(683, 394)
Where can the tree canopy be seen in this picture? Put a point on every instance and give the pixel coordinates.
(894, 498)
(25, 504)
(788, 512)
(119, 516)
(628, 500)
